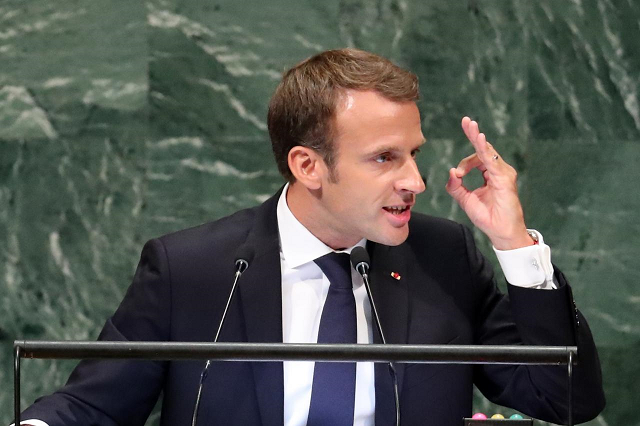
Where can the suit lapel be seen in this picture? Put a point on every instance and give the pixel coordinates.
(390, 294)
(261, 298)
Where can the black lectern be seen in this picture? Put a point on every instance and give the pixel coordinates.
(438, 354)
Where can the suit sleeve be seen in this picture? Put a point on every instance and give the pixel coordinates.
(534, 317)
(119, 392)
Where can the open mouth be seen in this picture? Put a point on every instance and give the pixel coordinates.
(396, 210)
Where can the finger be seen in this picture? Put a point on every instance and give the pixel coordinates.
(483, 148)
(487, 154)
(486, 176)
(455, 188)
(469, 163)
(472, 132)
(465, 125)
(470, 128)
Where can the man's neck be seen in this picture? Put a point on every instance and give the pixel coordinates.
(305, 205)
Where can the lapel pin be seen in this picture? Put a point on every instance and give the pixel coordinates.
(395, 275)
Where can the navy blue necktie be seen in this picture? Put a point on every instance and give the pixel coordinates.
(334, 383)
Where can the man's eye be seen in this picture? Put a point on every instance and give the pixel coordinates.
(382, 158)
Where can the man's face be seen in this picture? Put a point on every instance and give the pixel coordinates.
(377, 178)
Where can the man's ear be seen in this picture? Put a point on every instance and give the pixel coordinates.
(307, 166)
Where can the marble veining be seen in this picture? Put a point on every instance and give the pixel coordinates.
(122, 121)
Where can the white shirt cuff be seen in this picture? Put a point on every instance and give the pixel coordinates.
(528, 266)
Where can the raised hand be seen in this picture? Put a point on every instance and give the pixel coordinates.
(495, 207)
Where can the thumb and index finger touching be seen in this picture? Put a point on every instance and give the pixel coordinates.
(482, 159)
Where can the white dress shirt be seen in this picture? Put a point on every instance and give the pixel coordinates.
(304, 291)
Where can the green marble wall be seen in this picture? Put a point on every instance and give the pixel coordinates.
(120, 121)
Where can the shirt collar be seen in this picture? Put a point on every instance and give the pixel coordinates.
(297, 244)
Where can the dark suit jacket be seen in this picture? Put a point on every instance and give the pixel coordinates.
(446, 294)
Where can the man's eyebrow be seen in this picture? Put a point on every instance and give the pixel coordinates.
(393, 148)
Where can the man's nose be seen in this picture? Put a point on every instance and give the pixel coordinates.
(411, 180)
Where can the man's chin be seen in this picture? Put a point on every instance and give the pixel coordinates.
(393, 237)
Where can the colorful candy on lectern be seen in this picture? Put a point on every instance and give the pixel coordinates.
(497, 416)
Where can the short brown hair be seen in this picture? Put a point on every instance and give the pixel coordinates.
(303, 107)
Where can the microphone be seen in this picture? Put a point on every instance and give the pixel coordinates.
(360, 262)
(244, 255)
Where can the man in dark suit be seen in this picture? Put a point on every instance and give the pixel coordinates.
(345, 131)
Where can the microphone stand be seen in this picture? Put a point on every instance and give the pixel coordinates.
(363, 268)
(241, 266)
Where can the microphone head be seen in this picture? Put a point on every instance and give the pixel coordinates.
(244, 255)
(360, 260)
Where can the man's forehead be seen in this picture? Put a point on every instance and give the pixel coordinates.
(370, 105)
(357, 102)
(347, 100)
